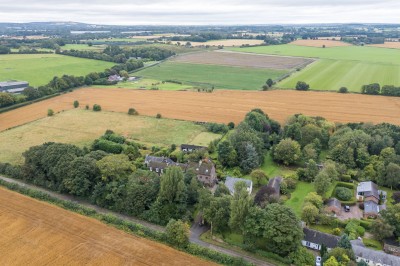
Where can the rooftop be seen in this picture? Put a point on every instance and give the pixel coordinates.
(13, 82)
(231, 181)
(333, 202)
(371, 207)
(373, 255)
(330, 241)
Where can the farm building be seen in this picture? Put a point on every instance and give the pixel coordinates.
(191, 148)
(231, 181)
(333, 205)
(204, 169)
(373, 257)
(315, 239)
(13, 86)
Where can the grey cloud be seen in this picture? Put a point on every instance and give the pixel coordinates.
(201, 12)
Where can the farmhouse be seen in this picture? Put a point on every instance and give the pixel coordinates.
(333, 205)
(315, 239)
(204, 169)
(369, 193)
(191, 148)
(373, 257)
(115, 78)
(231, 181)
(13, 86)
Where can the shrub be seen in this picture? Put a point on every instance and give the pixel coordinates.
(360, 230)
(343, 193)
(87, 107)
(96, 108)
(336, 231)
(343, 90)
(50, 112)
(132, 111)
(76, 104)
(231, 125)
(302, 86)
(346, 185)
(265, 87)
(217, 128)
(107, 146)
(158, 116)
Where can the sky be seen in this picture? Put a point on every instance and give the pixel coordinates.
(201, 12)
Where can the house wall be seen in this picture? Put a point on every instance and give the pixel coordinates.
(392, 249)
(310, 245)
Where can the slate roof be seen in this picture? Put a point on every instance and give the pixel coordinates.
(373, 255)
(334, 202)
(202, 168)
(192, 147)
(231, 181)
(312, 236)
(369, 188)
(371, 207)
(150, 158)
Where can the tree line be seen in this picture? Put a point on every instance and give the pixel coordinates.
(375, 89)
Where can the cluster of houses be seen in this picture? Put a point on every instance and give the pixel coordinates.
(368, 193)
(314, 240)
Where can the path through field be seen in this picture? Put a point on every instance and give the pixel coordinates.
(219, 106)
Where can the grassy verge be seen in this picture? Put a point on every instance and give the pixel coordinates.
(127, 226)
(372, 243)
(262, 255)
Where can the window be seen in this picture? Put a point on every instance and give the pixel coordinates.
(157, 170)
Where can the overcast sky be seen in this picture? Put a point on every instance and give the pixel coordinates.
(133, 12)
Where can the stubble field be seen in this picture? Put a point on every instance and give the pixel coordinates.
(243, 60)
(392, 45)
(220, 106)
(37, 233)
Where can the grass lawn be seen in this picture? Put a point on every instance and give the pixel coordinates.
(325, 228)
(39, 69)
(81, 127)
(327, 74)
(297, 196)
(222, 77)
(148, 84)
(372, 243)
(350, 66)
(83, 47)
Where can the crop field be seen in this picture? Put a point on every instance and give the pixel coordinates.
(327, 74)
(221, 77)
(220, 106)
(37, 233)
(83, 47)
(81, 127)
(393, 45)
(320, 43)
(243, 60)
(349, 66)
(229, 42)
(39, 69)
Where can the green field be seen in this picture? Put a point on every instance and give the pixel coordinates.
(327, 74)
(356, 53)
(81, 127)
(350, 66)
(297, 197)
(39, 69)
(83, 47)
(148, 84)
(222, 77)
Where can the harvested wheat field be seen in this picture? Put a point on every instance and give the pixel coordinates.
(36, 233)
(392, 45)
(320, 43)
(243, 60)
(220, 106)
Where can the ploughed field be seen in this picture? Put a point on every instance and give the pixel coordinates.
(220, 106)
(243, 60)
(37, 233)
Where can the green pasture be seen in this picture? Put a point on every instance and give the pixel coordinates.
(327, 74)
(39, 69)
(349, 66)
(221, 77)
(356, 53)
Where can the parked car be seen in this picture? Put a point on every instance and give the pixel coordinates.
(318, 261)
(347, 208)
